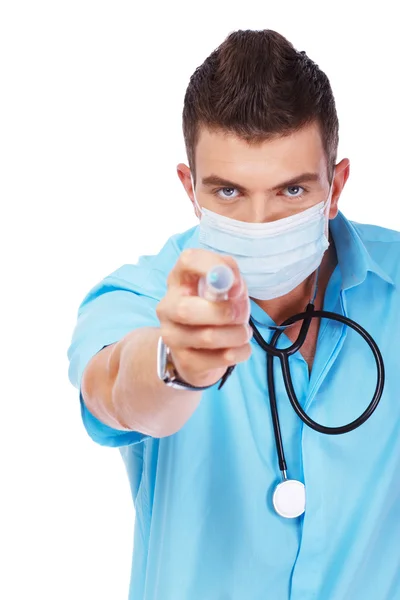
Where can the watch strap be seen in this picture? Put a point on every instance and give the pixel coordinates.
(175, 380)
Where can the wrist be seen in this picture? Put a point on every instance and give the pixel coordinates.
(169, 373)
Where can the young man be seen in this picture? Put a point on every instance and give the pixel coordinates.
(261, 134)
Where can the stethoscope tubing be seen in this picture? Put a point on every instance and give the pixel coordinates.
(283, 355)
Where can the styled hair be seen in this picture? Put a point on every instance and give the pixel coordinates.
(256, 85)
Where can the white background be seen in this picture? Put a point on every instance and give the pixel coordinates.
(91, 94)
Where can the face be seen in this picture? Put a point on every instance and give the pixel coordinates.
(264, 182)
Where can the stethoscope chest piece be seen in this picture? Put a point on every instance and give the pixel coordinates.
(289, 498)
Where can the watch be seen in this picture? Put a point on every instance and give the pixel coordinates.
(167, 372)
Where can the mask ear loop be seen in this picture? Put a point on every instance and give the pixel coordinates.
(327, 208)
(195, 197)
(326, 211)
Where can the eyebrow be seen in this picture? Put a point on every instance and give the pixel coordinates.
(219, 181)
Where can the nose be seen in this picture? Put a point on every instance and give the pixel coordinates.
(262, 210)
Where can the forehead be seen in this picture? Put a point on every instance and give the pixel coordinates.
(228, 155)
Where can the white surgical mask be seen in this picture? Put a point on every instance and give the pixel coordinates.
(273, 258)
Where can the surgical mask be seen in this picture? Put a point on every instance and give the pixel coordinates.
(273, 258)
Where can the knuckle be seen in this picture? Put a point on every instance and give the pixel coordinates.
(237, 355)
(247, 351)
(168, 336)
(229, 357)
(160, 309)
(207, 336)
(182, 310)
(170, 277)
(184, 360)
(244, 334)
(186, 257)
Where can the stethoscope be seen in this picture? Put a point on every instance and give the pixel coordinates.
(289, 496)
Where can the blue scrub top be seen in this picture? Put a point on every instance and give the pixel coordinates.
(205, 526)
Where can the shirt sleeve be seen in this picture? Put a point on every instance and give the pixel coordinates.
(122, 302)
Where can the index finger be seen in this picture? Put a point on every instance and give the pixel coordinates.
(194, 263)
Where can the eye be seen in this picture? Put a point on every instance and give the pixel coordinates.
(295, 191)
(227, 191)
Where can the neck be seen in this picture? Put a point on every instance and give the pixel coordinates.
(296, 301)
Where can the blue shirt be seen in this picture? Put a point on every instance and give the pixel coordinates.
(205, 525)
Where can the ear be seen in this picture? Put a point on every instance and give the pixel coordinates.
(342, 172)
(186, 180)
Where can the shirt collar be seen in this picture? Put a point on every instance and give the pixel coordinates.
(354, 260)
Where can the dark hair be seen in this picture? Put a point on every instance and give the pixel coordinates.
(257, 85)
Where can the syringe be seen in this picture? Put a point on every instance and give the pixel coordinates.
(216, 284)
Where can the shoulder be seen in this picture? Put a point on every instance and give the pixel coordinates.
(149, 274)
(163, 261)
(376, 234)
(383, 245)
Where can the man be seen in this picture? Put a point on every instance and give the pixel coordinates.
(261, 133)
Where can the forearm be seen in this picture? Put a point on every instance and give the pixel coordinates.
(122, 389)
